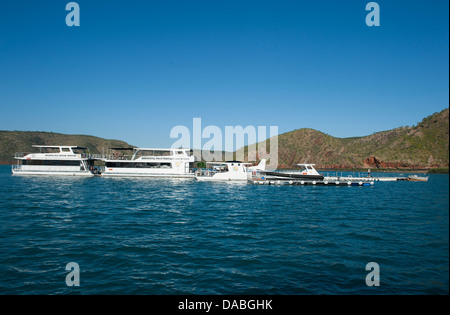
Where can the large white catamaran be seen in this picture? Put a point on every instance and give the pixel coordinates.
(54, 160)
(149, 162)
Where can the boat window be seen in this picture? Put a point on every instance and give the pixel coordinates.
(49, 150)
(154, 153)
(52, 162)
(65, 150)
(138, 165)
(162, 153)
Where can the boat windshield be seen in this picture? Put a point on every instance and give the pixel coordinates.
(306, 167)
(303, 168)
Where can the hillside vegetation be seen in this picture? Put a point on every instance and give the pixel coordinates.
(423, 146)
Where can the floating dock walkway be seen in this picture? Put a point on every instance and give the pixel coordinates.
(311, 182)
(362, 179)
(376, 179)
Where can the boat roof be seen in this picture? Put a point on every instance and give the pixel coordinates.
(306, 164)
(58, 146)
(163, 149)
(228, 162)
(122, 148)
(150, 149)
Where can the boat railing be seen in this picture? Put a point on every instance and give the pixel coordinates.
(97, 156)
(347, 174)
(21, 154)
(116, 157)
(205, 172)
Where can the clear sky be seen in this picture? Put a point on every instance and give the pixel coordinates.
(133, 70)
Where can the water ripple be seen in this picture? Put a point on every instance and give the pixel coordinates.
(153, 236)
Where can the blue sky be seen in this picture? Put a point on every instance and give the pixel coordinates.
(133, 70)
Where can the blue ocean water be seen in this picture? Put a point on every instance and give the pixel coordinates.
(174, 236)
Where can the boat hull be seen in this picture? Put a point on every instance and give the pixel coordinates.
(147, 175)
(364, 179)
(213, 179)
(55, 173)
(418, 179)
(287, 176)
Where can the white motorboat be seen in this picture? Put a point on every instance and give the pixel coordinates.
(415, 178)
(149, 162)
(306, 172)
(54, 160)
(229, 171)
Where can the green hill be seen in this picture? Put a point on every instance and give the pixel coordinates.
(423, 146)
